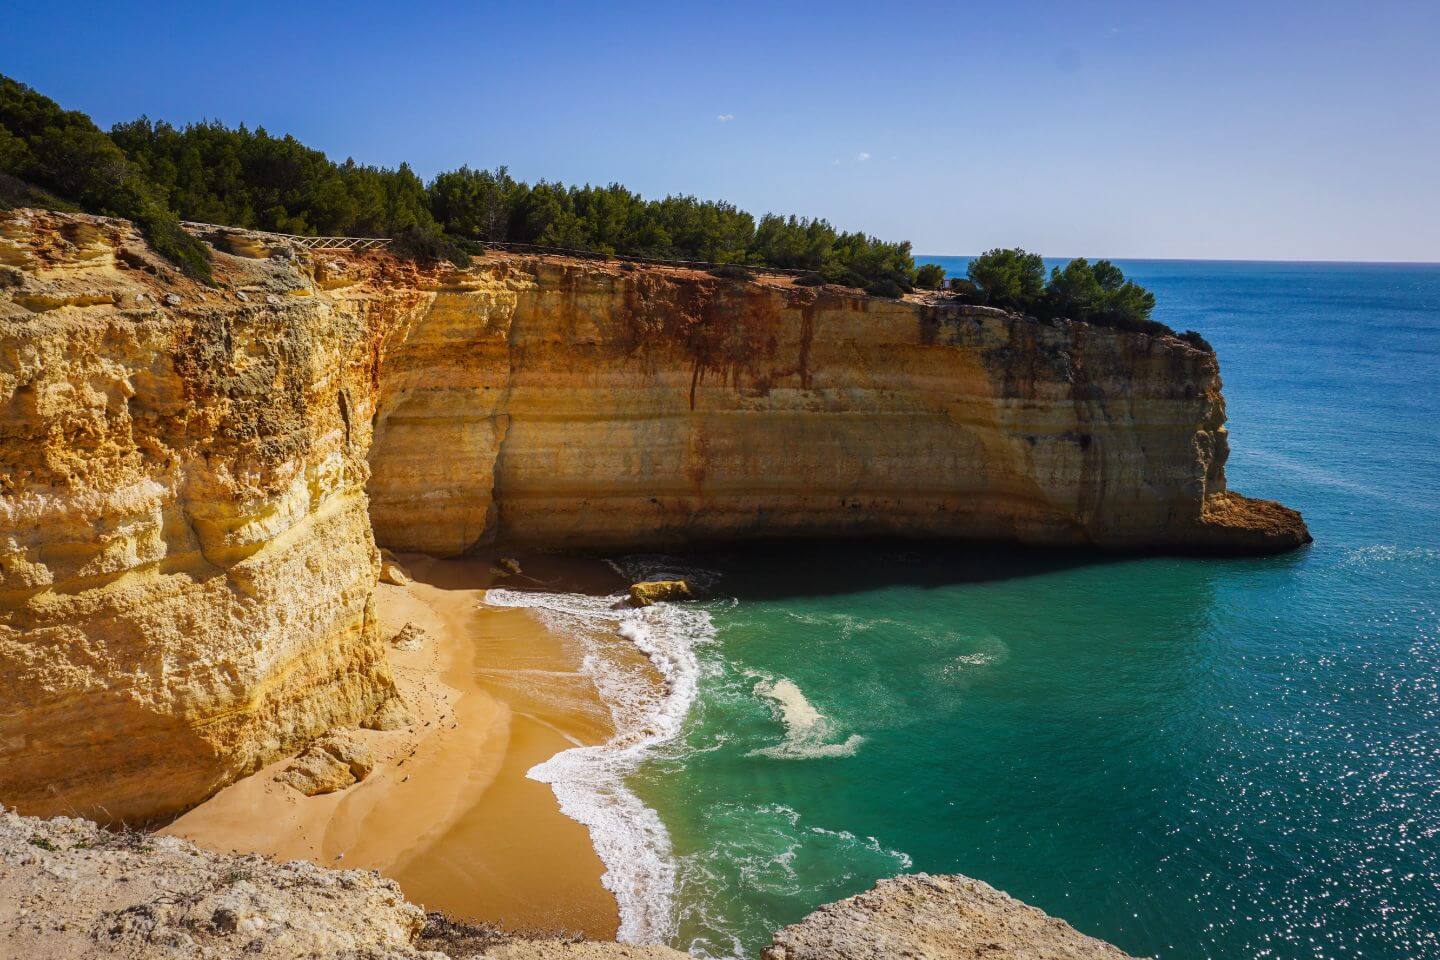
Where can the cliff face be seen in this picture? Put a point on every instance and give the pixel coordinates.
(186, 556)
(569, 403)
(186, 563)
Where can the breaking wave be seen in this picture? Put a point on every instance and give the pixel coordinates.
(647, 710)
(808, 732)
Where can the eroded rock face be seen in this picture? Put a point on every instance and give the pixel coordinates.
(937, 918)
(189, 475)
(580, 405)
(186, 563)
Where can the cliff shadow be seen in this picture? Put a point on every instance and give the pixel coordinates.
(778, 570)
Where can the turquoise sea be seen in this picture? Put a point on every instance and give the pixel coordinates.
(1191, 758)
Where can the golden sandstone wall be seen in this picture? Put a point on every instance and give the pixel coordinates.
(186, 563)
(189, 475)
(569, 403)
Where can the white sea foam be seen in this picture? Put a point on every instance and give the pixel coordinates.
(808, 732)
(590, 782)
(964, 668)
(768, 849)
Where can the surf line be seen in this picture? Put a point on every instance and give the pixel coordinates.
(589, 782)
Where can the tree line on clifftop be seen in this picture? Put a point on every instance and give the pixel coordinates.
(157, 175)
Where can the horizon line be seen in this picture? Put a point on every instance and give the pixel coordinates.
(1299, 260)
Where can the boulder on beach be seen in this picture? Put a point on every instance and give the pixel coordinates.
(410, 638)
(390, 570)
(334, 762)
(649, 592)
(390, 715)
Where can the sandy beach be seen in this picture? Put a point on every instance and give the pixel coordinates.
(448, 811)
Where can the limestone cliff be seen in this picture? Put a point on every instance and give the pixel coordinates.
(556, 402)
(189, 475)
(186, 563)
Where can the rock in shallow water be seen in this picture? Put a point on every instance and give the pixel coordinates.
(649, 592)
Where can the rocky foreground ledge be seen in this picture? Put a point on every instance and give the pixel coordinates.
(926, 916)
(72, 890)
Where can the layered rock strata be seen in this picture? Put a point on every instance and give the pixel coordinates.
(186, 562)
(570, 403)
(189, 475)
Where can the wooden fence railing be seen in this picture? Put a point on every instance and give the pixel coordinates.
(309, 243)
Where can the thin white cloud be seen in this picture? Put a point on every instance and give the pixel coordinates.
(835, 162)
(725, 117)
(862, 156)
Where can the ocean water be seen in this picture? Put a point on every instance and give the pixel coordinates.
(1191, 758)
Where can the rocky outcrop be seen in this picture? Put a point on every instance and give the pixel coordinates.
(334, 762)
(189, 476)
(70, 890)
(937, 918)
(650, 592)
(411, 638)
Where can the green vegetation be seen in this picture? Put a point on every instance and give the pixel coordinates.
(930, 276)
(732, 271)
(61, 152)
(428, 245)
(1095, 293)
(157, 175)
(246, 178)
(1010, 278)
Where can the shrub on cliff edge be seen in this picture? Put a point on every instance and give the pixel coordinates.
(1010, 278)
(930, 276)
(428, 245)
(1095, 293)
(1196, 340)
(63, 152)
(732, 271)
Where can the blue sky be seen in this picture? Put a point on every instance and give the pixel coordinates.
(1164, 129)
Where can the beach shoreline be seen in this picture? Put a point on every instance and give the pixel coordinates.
(448, 811)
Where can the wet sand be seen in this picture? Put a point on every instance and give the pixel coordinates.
(448, 811)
